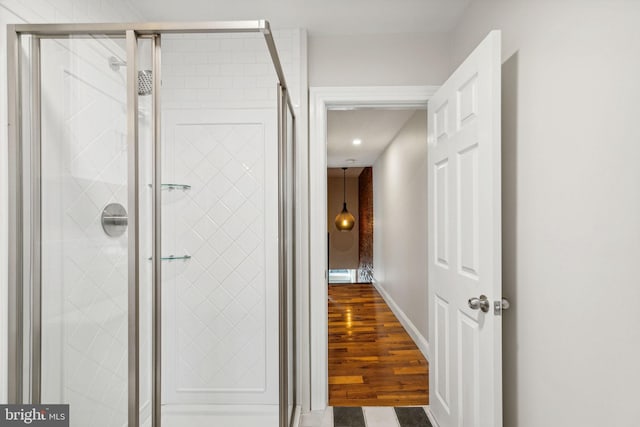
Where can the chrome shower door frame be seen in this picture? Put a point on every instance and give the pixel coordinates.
(25, 275)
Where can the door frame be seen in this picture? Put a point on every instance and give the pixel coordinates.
(322, 99)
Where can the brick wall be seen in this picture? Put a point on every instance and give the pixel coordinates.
(365, 201)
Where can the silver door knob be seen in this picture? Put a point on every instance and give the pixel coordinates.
(481, 303)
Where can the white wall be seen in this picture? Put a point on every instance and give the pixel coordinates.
(571, 207)
(344, 249)
(400, 220)
(377, 59)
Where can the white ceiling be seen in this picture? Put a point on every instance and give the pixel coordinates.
(375, 127)
(317, 16)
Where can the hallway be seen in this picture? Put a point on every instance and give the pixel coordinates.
(372, 359)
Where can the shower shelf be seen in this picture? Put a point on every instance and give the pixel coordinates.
(173, 258)
(174, 186)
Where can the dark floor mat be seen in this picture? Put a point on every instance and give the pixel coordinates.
(348, 417)
(412, 417)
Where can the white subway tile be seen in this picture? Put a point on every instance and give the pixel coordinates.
(194, 58)
(263, 57)
(258, 69)
(230, 69)
(207, 69)
(241, 82)
(220, 82)
(268, 82)
(220, 57)
(258, 94)
(229, 94)
(231, 44)
(207, 45)
(170, 81)
(196, 82)
(243, 57)
(172, 57)
(255, 44)
(208, 94)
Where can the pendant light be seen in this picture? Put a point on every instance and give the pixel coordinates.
(345, 221)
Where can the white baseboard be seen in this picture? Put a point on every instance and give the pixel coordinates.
(411, 329)
(181, 415)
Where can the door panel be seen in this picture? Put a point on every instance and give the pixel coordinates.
(467, 192)
(443, 355)
(441, 212)
(464, 210)
(468, 377)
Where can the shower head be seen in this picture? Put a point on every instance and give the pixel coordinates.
(145, 77)
(145, 82)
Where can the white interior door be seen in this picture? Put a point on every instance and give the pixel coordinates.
(465, 243)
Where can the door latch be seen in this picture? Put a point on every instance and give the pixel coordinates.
(500, 306)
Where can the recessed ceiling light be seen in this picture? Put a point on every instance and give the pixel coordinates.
(357, 141)
(351, 161)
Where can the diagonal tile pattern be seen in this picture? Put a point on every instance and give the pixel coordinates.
(221, 299)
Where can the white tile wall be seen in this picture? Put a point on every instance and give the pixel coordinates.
(221, 301)
(227, 70)
(220, 324)
(220, 294)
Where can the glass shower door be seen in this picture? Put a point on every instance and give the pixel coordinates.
(81, 162)
(84, 240)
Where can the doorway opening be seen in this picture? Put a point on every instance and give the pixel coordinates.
(322, 102)
(376, 178)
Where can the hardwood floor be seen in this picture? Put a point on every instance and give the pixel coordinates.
(372, 359)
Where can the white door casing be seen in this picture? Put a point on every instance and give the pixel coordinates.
(464, 199)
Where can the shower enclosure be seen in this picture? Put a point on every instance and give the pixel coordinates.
(151, 224)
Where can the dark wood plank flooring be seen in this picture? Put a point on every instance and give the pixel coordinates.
(372, 359)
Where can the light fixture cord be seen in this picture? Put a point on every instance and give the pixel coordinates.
(344, 186)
